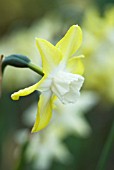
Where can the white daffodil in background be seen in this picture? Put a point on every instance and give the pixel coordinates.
(62, 75)
(48, 144)
(99, 51)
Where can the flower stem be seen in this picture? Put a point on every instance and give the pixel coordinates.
(22, 159)
(35, 68)
(1, 57)
(106, 150)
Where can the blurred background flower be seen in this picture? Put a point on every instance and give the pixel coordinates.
(75, 137)
(68, 119)
(98, 47)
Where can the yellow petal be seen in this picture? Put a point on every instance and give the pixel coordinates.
(51, 56)
(44, 111)
(79, 56)
(24, 92)
(71, 41)
(75, 65)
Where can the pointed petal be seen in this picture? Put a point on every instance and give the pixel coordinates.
(51, 56)
(41, 85)
(44, 111)
(75, 65)
(71, 41)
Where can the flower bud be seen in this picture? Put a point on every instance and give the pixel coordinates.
(16, 61)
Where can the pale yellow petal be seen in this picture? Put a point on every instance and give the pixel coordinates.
(71, 41)
(75, 65)
(51, 56)
(44, 111)
(24, 92)
(79, 56)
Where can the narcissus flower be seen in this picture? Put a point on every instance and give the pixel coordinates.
(62, 75)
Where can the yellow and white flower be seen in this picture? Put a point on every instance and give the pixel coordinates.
(62, 75)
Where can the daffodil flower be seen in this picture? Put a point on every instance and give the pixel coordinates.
(62, 75)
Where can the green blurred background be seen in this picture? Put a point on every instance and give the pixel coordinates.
(20, 22)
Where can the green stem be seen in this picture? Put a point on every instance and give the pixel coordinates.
(35, 68)
(1, 57)
(106, 150)
(22, 159)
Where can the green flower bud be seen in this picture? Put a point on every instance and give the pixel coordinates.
(15, 60)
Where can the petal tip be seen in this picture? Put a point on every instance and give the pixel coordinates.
(14, 97)
(75, 26)
(33, 130)
(38, 40)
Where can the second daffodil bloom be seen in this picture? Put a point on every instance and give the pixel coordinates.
(62, 75)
